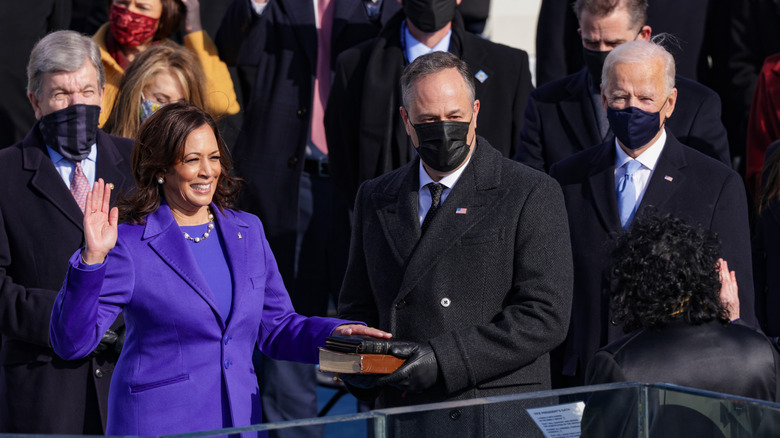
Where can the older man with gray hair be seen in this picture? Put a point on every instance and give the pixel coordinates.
(641, 168)
(46, 178)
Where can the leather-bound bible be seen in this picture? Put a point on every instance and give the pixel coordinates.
(350, 363)
(358, 354)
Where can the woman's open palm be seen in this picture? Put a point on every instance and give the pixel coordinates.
(100, 223)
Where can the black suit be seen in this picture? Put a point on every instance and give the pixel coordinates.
(364, 127)
(731, 359)
(560, 120)
(685, 183)
(41, 226)
(275, 54)
(489, 288)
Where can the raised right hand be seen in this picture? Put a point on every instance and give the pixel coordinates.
(100, 224)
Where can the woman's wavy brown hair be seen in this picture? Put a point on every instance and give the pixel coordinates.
(168, 56)
(160, 146)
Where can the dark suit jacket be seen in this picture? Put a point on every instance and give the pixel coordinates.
(731, 359)
(364, 127)
(560, 121)
(40, 227)
(489, 289)
(276, 57)
(685, 183)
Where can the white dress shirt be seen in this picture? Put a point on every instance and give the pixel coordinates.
(648, 159)
(65, 167)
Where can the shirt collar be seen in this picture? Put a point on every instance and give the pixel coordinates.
(414, 49)
(449, 180)
(56, 157)
(648, 158)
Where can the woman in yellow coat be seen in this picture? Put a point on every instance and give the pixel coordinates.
(136, 25)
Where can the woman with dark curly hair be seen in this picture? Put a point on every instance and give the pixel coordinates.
(196, 282)
(667, 287)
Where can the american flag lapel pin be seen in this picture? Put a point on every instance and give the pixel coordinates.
(669, 178)
(461, 210)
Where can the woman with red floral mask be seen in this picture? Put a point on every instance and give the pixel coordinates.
(136, 25)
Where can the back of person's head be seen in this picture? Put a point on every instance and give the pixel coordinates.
(170, 57)
(640, 52)
(664, 269)
(62, 51)
(429, 64)
(173, 14)
(637, 9)
(159, 147)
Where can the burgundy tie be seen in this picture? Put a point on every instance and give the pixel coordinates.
(79, 186)
(322, 79)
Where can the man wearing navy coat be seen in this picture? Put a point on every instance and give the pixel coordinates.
(565, 116)
(642, 170)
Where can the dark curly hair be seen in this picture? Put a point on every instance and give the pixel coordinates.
(664, 269)
(158, 147)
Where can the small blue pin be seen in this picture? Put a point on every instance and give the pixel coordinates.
(481, 76)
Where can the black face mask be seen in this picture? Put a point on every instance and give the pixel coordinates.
(429, 15)
(594, 60)
(443, 145)
(71, 131)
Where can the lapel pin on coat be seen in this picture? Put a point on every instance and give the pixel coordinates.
(481, 76)
(239, 236)
(669, 178)
(461, 210)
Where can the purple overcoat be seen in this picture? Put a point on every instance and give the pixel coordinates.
(180, 358)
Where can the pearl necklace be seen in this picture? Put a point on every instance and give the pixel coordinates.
(206, 234)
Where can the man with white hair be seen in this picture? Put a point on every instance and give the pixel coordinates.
(642, 169)
(46, 178)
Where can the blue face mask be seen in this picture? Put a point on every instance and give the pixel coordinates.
(148, 108)
(634, 127)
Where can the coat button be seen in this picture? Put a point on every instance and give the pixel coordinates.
(445, 302)
(301, 112)
(292, 161)
(99, 373)
(227, 363)
(455, 414)
(400, 304)
(227, 339)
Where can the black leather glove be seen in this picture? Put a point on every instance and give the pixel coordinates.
(418, 373)
(362, 381)
(107, 343)
(120, 339)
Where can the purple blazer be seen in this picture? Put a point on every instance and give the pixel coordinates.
(180, 358)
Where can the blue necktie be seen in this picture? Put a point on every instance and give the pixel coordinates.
(626, 193)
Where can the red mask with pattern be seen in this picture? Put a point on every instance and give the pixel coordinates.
(130, 28)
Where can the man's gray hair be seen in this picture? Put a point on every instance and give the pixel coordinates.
(62, 51)
(429, 64)
(639, 52)
(637, 9)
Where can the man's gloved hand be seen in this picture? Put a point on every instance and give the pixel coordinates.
(418, 373)
(362, 381)
(108, 342)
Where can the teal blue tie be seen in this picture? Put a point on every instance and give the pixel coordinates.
(626, 193)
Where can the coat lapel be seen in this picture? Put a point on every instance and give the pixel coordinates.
(303, 22)
(109, 161)
(166, 239)
(234, 235)
(578, 111)
(601, 186)
(396, 209)
(667, 176)
(477, 192)
(46, 180)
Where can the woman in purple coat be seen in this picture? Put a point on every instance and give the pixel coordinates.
(196, 281)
